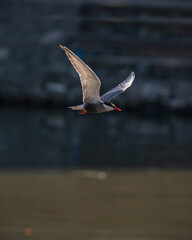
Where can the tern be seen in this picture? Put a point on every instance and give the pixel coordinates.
(92, 102)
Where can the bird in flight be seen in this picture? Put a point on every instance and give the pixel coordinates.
(92, 102)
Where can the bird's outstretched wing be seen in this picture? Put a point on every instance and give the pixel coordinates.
(119, 89)
(89, 80)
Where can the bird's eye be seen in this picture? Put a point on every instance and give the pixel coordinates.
(107, 103)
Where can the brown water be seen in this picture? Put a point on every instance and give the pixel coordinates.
(96, 205)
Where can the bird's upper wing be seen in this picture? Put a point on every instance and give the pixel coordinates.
(89, 80)
(119, 89)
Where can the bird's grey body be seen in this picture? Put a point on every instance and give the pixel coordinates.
(97, 107)
(92, 102)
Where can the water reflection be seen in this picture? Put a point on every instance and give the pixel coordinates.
(41, 138)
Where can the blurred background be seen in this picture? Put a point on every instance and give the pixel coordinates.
(110, 176)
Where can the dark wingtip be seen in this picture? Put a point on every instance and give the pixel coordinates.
(65, 49)
(62, 47)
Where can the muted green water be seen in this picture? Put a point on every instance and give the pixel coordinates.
(96, 205)
(65, 201)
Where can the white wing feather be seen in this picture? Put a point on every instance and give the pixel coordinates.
(89, 80)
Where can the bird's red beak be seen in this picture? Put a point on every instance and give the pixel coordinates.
(118, 109)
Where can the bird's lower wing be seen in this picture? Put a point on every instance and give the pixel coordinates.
(89, 80)
(119, 89)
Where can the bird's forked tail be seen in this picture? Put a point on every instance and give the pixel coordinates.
(78, 107)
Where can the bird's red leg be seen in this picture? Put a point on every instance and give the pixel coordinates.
(82, 112)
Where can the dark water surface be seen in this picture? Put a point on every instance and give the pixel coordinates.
(96, 205)
(55, 139)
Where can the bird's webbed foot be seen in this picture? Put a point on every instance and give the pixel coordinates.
(82, 112)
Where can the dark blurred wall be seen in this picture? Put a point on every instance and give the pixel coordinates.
(152, 38)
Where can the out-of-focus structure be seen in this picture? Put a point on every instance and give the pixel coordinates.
(153, 38)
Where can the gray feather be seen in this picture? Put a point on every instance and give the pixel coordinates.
(118, 89)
